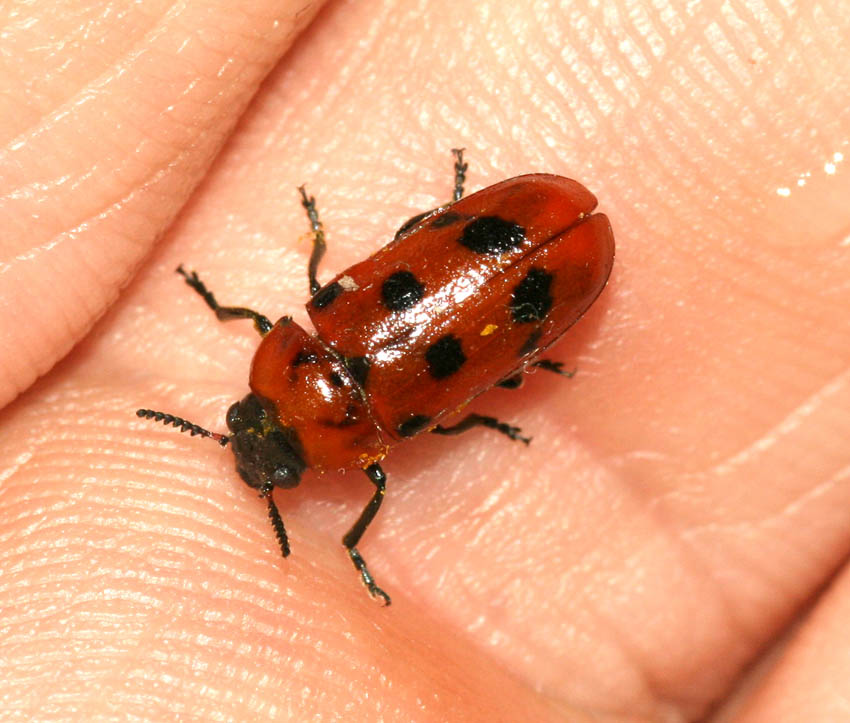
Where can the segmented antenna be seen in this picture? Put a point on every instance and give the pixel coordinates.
(185, 426)
(277, 522)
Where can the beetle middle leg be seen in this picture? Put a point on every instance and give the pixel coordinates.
(479, 420)
(379, 479)
(460, 173)
(457, 194)
(224, 313)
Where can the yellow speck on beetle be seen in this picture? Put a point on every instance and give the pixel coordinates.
(489, 329)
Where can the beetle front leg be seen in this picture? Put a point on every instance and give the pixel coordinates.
(379, 479)
(224, 313)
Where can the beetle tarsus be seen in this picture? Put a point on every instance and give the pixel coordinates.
(554, 366)
(367, 578)
(470, 421)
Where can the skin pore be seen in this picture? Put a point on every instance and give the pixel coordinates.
(671, 543)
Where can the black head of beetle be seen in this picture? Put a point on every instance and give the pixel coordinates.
(267, 455)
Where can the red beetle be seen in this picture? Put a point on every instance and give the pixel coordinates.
(463, 299)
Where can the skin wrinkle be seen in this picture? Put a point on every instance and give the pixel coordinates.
(721, 323)
(698, 566)
(784, 427)
(95, 95)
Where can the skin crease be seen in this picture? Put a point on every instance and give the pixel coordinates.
(684, 504)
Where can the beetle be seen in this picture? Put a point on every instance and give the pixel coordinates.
(464, 298)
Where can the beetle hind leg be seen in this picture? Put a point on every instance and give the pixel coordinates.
(554, 366)
(479, 420)
(516, 381)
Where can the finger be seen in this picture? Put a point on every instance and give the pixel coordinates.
(100, 158)
(807, 678)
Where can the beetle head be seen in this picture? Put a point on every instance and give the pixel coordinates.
(267, 454)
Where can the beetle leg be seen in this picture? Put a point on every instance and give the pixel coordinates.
(224, 313)
(479, 420)
(460, 173)
(553, 366)
(515, 381)
(457, 194)
(319, 245)
(352, 537)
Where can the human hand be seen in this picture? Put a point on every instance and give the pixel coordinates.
(684, 497)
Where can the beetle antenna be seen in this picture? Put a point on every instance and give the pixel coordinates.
(277, 522)
(185, 426)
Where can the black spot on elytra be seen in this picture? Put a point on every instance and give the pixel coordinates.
(445, 356)
(414, 424)
(351, 418)
(446, 219)
(530, 344)
(326, 295)
(492, 235)
(304, 357)
(401, 291)
(335, 378)
(531, 299)
(358, 367)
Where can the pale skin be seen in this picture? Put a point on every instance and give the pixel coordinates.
(685, 501)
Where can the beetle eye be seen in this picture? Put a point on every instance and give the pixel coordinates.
(233, 416)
